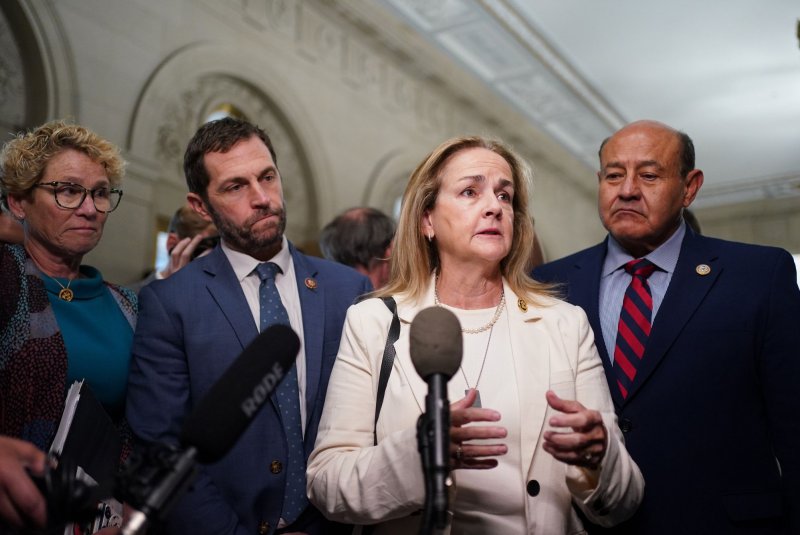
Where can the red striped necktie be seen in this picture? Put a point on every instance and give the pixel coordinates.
(634, 324)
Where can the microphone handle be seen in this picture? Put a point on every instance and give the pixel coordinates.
(438, 414)
(164, 494)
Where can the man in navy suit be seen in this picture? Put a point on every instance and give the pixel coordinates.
(193, 325)
(710, 406)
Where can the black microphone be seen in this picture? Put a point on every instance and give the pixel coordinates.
(154, 483)
(436, 346)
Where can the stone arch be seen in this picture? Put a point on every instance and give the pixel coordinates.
(37, 74)
(196, 80)
(388, 180)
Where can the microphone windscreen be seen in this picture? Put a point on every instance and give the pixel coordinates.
(436, 342)
(220, 418)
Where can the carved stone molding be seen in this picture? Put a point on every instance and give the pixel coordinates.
(323, 37)
(179, 98)
(13, 100)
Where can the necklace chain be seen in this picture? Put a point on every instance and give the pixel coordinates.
(497, 312)
(65, 294)
(483, 362)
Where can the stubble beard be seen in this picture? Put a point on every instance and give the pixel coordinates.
(244, 240)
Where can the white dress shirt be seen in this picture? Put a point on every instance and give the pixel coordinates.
(244, 267)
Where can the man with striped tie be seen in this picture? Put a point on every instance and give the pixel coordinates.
(698, 339)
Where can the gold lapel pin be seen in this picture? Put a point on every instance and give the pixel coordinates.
(523, 306)
(703, 269)
(311, 284)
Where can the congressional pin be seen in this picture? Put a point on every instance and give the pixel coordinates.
(703, 269)
(311, 284)
(523, 306)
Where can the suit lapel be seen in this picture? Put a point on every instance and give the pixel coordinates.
(686, 291)
(312, 308)
(530, 351)
(226, 291)
(407, 310)
(584, 291)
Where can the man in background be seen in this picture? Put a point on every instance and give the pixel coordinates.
(188, 236)
(362, 239)
(194, 324)
(698, 340)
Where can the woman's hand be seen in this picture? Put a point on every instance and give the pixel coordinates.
(586, 445)
(464, 455)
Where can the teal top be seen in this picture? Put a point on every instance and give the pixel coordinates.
(96, 334)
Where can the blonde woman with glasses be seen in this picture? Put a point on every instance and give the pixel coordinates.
(59, 320)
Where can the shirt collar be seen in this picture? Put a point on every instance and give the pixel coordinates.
(244, 264)
(665, 256)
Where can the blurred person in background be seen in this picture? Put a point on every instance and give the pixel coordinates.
(188, 236)
(362, 239)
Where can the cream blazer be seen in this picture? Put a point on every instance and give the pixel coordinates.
(352, 481)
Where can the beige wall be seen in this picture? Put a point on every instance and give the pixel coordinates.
(767, 222)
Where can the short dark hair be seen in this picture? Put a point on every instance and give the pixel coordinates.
(217, 136)
(686, 156)
(357, 236)
(186, 223)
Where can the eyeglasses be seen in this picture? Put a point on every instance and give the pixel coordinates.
(70, 196)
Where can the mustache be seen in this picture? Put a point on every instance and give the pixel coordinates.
(279, 212)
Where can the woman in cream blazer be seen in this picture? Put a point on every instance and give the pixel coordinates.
(545, 437)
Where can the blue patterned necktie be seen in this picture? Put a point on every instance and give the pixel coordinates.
(288, 395)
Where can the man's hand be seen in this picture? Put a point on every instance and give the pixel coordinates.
(21, 503)
(181, 255)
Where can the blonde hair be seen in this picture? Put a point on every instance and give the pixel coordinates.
(24, 158)
(414, 258)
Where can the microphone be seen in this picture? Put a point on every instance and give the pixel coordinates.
(153, 484)
(436, 346)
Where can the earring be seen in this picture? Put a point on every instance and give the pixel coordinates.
(430, 236)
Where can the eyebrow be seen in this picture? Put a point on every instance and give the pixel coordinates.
(645, 163)
(504, 182)
(268, 169)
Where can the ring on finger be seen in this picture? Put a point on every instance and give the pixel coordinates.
(587, 456)
(459, 453)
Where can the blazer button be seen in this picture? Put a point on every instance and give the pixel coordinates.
(533, 487)
(263, 527)
(275, 467)
(625, 425)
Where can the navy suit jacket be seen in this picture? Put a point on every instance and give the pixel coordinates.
(191, 327)
(715, 404)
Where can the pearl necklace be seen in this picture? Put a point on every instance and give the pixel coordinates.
(486, 327)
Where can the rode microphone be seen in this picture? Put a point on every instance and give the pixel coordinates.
(152, 482)
(436, 347)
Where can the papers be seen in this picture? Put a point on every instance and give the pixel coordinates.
(88, 442)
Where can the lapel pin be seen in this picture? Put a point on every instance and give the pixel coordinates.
(523, 306)
(703, 269)
(311, 284)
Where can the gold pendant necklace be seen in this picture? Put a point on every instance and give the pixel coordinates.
(65, 294)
